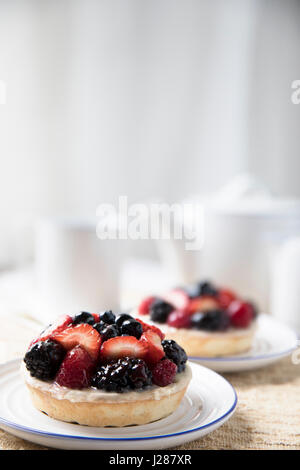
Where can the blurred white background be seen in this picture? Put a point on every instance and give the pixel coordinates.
(160, 98)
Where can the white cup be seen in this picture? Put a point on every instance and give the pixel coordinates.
(75, 270)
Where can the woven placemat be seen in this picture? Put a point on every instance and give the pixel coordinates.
(267, 414)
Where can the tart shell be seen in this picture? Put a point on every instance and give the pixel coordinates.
(110, 413)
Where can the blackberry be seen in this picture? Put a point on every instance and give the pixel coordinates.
(160, 310)
(122, 375)
(132, 328)
(83, 317)
(108, 317)
(201, 288)
(109, 331)
(213, 320)
(175, 353)
(43, 359)
(121, 318)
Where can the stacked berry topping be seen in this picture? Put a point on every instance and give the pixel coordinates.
(201, 306)
(104, 351)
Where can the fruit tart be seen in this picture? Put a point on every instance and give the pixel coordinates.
(205, 320)
(105, 370)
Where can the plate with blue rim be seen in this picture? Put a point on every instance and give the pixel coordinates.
(273, 340)
(209, 401)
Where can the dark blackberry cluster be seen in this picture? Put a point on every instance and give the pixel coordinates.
(213, 320)
(175, 353)
(201, 288)
(44, 358)
(109, 326)
(123, 375)
(160, 310)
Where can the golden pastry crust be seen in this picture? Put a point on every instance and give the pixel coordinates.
(212, 344)
(111, 413)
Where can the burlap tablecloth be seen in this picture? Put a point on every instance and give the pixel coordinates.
(267, 414)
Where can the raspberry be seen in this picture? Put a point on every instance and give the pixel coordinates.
(241, 314)
(76, 369)
(164, 373)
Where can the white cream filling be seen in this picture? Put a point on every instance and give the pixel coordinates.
(94, 395)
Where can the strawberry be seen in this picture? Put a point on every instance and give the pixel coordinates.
(178, 298)
(147, 327)
(155, 351)
(122, 346)
(225, 297)
(202, 304)
(241, 313)
(144, 307)
(57, 326)
(179, 319)
(97, 317)
(84, 335)
(76, 369)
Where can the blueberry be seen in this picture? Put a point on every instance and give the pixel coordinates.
(109, 331)
(213, 320)
(108, 317)
(160, 310)
(121, 318)
(132, 328)
(100, 326)
(83, 317)
(201, 288)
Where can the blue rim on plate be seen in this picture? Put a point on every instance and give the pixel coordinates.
(243, 358)
(67, 436)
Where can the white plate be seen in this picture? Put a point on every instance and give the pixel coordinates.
(208, 403)
(273, 340)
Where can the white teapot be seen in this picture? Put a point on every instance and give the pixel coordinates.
(243, 227)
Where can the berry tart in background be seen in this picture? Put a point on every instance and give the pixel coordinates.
(105, 370)
(205, 320)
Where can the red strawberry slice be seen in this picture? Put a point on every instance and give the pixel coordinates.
(153, 328)
(122, 346)
(76, 369)
(144, 307)
(225, 297)
(203, 304)
(178, 298)
(84, 335)
(96, 316)
(179, 319)
(153, 344)
(57, 326)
